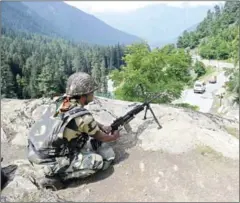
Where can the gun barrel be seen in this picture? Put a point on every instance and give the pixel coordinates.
(155, 97)
(136, 110)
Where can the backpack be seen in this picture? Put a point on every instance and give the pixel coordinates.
(46, 135)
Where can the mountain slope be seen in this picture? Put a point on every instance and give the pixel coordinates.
(17, 16)
(78, 25)
(217, 36)
(156, 23)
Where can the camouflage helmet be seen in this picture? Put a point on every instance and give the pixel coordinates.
(80, 83)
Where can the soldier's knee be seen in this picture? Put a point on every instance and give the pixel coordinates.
(91, 161)
(106, 151)
(107, 164)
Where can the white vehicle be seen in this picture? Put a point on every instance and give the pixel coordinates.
(199, 87)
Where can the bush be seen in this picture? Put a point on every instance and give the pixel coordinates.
(199, 69)
(188, 106)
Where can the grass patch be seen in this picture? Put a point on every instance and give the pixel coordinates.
(233, 131)
(206, 151)
(188, 106)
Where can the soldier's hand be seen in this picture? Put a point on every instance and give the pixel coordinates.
(116, 134)
(107, 129)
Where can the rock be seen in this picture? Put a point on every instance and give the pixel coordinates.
(142, 166)
(39, 111)
(20, 139)
(3, 136)
(183, 130)
(161, 173)
(31, 196)
(21, 189)
(20, 183)
(175, 168)
(156, 180)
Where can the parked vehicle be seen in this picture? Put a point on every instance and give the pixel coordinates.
(213, 79)
(199, 87)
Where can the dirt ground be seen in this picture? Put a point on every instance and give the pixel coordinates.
(154, 176)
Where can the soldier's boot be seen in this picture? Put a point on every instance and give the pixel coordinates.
(51, 183)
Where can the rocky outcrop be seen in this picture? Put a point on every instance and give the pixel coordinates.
(183, 131)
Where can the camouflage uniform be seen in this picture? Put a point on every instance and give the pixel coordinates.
(86, 161)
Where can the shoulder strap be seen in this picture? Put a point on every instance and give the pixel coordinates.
(71, 114)
(75, 111)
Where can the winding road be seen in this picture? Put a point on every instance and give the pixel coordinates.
(204, 101)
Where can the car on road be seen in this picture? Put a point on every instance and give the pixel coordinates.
(213, 79)
(199, 87)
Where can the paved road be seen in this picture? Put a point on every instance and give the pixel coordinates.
(205, 100)
(215, 63)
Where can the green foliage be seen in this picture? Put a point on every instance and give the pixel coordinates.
(233, 84)
(160, 70)
(188, 106)
(217, 36)
(199, 68)
(33, 65)
(61, 20)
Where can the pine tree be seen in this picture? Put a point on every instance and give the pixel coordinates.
(104, 81)
(96, 74)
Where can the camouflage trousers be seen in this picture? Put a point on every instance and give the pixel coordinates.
(83, 164)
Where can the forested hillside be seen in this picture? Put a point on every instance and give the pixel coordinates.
(34, 65)
(61, 20)
(217, 36)
(17, 16)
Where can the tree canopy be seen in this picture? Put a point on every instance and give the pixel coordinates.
(161, 70)
(34, 65)
(217, 36)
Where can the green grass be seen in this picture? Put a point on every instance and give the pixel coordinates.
(206, 150)
(233, 131)
(188, 106)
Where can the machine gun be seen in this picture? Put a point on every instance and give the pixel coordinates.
(121, 121)
(130, 115)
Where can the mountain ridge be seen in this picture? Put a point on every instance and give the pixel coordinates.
(155, 21)
(66, 22)
(72, 21)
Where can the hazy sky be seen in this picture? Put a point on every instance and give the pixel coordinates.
(126, 6)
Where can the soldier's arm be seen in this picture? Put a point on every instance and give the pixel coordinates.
(99, 125)
(104, 128)
(89, 126)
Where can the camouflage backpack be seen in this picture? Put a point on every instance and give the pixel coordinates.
(46, 136)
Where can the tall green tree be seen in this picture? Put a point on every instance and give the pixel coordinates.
(164, 70)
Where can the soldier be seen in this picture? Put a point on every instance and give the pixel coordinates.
(60, 145)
